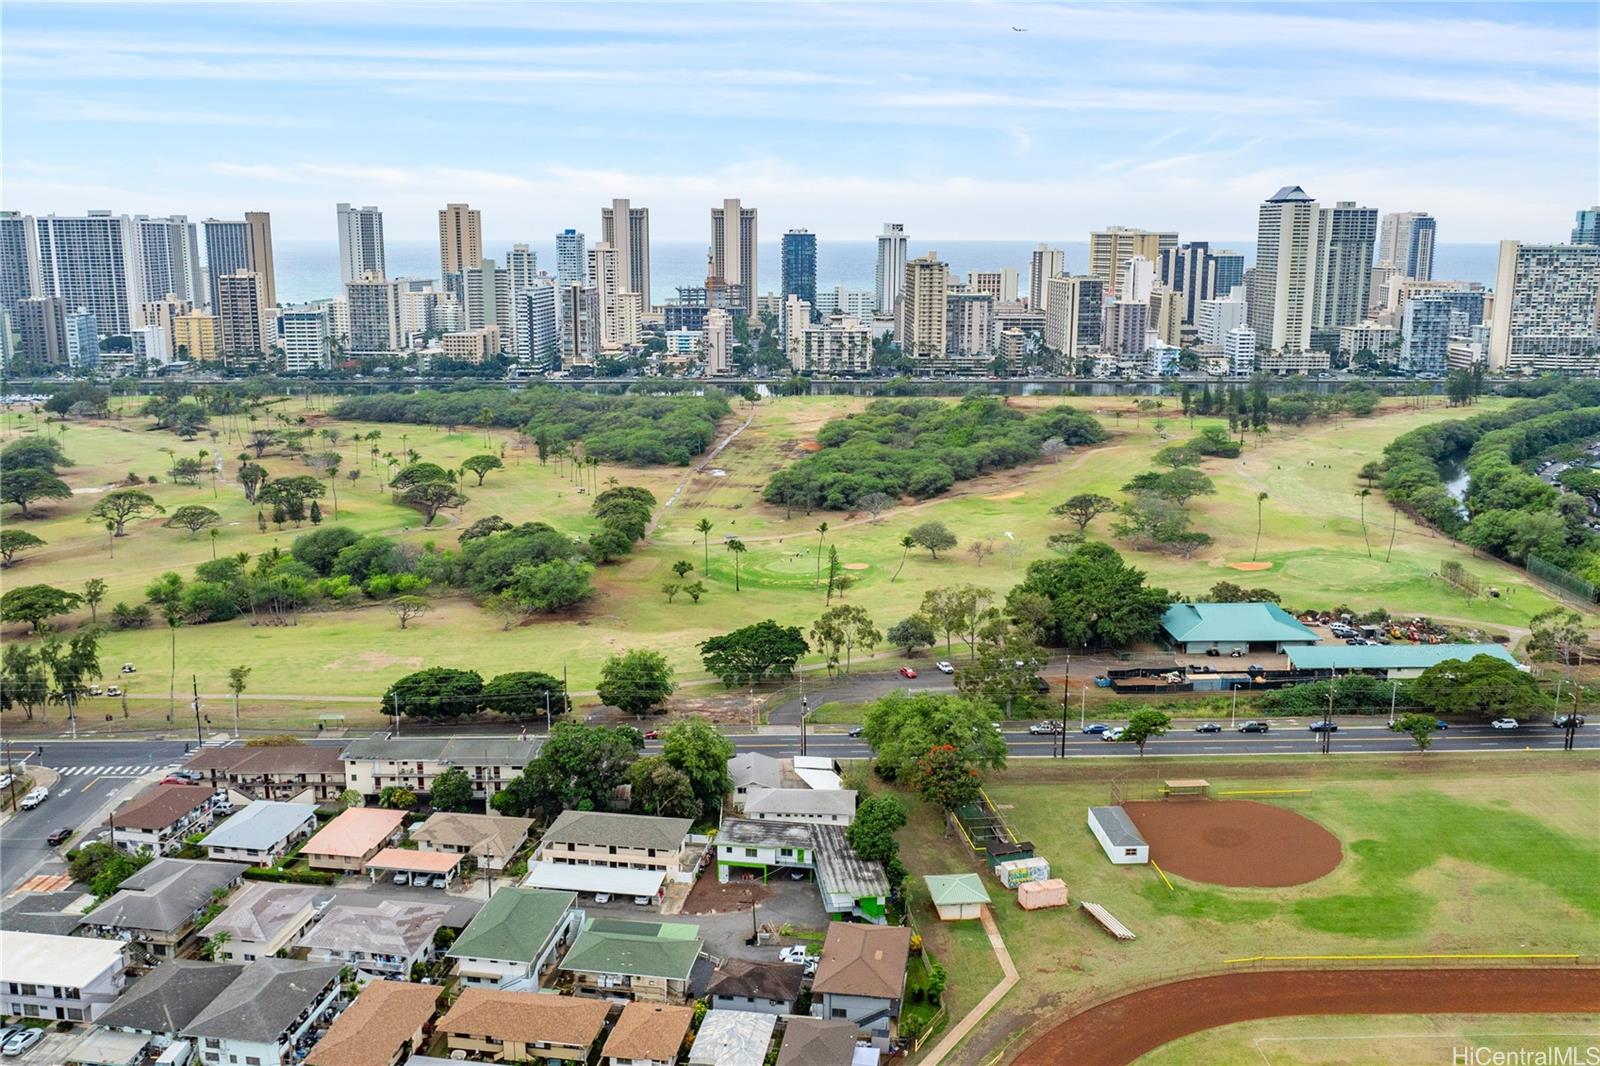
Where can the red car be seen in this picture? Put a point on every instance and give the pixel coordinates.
(652, 734)
(906, 671)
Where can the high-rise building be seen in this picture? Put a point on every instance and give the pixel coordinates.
(360, 242)
(153, 344)
(617, 306)
(856, 303)
(1111, 248)
(733, 250)
(891, 271)
(258, 235)
(522, 263)
(374, 309)
(922, 320)
(1345, 236)
(1425, 336)
(838, 345)
(479, 289)
(970, 329)
(41, 324)
(247, 329)
(1013, 348)
(538, 324)
(93, 262)
(1166, 315)
(572, 262)
(799, 255)
(307, 337)
(1279, 288)
(1127, 324)
(197, 337)
(1405, 243)
(1001, 284)
(1586, 226)
(1138, 280)
(1217, 317)
(1239, 348)
(1198, 273)
(460, 239)
(1074, 315)
(1046, 263)
(169, 250)
(1546, 313)
(227, 252)
(19, 259)
(796, 316)
(83, 339)
(475, 346)
(718, 344)
(632, 242)
(1226, 272)
(160, 313)
(580, 326)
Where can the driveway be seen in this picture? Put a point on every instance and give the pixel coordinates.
(777, 903)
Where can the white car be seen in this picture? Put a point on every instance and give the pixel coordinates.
(1504, 723)
(1112, 734)
(944, 667)
(602, 897)
(402, 878)
(22, 1042)
(795, 953)
(34, 798)
(643, 901)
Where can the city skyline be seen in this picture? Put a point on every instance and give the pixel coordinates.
(828, 118)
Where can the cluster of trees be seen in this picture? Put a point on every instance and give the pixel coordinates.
(583, 767)
(1484, 686)
(920, 448)
(1252, 407)
(29, 472)
(56, 670)
(440, 692)
(636, 430)
(754, 653)
(1156, 512)
(1089, 598)
(938, 745)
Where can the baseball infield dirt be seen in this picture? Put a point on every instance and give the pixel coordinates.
(1235, 842)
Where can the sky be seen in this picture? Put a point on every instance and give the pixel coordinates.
(964, 121)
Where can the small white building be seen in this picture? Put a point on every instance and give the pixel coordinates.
(261, 833)
(957, 897)
(60, 978)
(265, 919)
(833, 806)
(1118, 836)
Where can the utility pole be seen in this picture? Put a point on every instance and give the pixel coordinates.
(199, 738)
(11, 773)
(1327, 719)
(1066, 697)
(547, 726)
(805, 711)
(397, 714)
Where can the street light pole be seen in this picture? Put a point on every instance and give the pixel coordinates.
(805, 712)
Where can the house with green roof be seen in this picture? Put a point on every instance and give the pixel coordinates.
(957, 897)
(1199, 628)
(516, 938)
(648, 962)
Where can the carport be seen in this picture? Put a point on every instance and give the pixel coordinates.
(428, 864)
(579, 877)
(105, 1047)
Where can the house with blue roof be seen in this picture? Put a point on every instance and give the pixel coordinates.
(1198, 628)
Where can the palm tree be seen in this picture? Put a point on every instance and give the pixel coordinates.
(822, 531)
(736, 546)
(1363, 494)
(906, 544)
(1261, 498)
(703, 527)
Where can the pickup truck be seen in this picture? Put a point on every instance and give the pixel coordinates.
(34, 798)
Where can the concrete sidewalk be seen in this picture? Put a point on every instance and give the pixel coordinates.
(1008, 980)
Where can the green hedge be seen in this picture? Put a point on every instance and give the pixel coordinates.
(291, 877)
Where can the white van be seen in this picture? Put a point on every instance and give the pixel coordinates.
(34, 798)
(178, 1053)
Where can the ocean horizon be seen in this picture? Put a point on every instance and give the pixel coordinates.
(309, 270)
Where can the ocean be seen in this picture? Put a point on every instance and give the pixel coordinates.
(309, 270)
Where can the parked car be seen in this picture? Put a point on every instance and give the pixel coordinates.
(34, 798)
(1040, 729)
(187, 775)
(1113, 734)
(1213, 652)
(602, 897)
(22, 1042)
(1503, 723)
(1208, 727)
(795, 953)
(855, 731)
(643, 901)
(906, 671)
(10, 1031)
(402, 878)
(652, 734)
(439, 881)
(1324, 727)
(58, 838)
(1561, 721)
(1041, 685)
(174, 779)
(945, 667)
(1096, 727)
(1254, 727)
(222, 806)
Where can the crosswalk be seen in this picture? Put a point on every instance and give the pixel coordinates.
(110, 771)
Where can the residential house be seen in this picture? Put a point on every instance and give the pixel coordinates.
(264, 919)
(850, 886)
(649, 961)
(862, 977)
(489, 838)
(518, 1026)
(627, 841)
(385, 938)
(732, 1038)
(647, 1034)
(752, 771)
(377, 763)
(815, 1042)
(158, 909)
(157, 820)
(261, 833)
(60, 978)
(763, 987)
(832, 806)
(161, 1004)
(381, 1027)
(266, 1016)
(354, 836)
(303, 773)
(516, 938)
(57, 913)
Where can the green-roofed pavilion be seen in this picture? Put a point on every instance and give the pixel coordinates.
(1197, 628)
(957, 896)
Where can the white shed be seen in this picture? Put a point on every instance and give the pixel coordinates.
(1118, 836)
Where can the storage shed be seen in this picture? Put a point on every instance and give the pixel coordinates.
(1118, 836)
(1037, 895)
(957, 897)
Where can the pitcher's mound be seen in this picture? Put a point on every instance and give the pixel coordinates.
(1235, 842)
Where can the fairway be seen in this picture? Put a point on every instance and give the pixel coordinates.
(1311, 538)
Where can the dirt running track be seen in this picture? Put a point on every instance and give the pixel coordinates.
(1118, 1032)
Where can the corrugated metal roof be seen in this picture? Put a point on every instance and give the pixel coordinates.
(1390, 656)
(1254, 622)
(1118, 827)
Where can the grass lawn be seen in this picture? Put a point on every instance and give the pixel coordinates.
(1473, 854)
(1312, 540)
(1376, 1041)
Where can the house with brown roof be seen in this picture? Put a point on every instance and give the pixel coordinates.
(385, 1023)
(265, 919)
(763, 987)
(489, 838)
(862, 977)
(815, 1042)
(303, 773)
(517, 1026)
(356, 835)
(156, 820)
(647, 1034)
